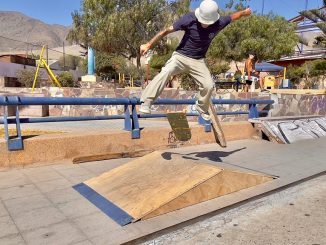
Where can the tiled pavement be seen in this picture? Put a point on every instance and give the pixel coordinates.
(39, 206)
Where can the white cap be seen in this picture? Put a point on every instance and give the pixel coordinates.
(207, 12)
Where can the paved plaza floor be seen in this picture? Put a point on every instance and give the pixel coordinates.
(292, 216)
(39, 206)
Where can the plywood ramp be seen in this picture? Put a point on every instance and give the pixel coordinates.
(155, 184)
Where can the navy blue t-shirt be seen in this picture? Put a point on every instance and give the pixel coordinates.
(197, 39)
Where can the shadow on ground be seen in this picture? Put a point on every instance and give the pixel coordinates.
(214, 156)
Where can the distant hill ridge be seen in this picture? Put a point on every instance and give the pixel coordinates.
(20, 27)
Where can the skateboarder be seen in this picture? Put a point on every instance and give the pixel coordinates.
(200, 28)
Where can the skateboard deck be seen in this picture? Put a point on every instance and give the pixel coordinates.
(179, 125)
(217, 128)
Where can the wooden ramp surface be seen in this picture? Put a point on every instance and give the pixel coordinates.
(152, 185)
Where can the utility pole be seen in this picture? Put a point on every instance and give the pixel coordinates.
(304, 22)
(263, 7)
(64, 59)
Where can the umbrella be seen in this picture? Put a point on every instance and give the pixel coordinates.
(264, 66)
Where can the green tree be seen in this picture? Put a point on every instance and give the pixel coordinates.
(217, 66)
(70, 62)
(318, 16)
(237, 4)
(295, 73)
(119, 26)
(163, 54)
(105, 63)
(312, 72)
(268, 37)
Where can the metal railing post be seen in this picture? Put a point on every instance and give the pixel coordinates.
(207, 124)
(135, 133)
(127, 119)
(253, 112)
(14, 143)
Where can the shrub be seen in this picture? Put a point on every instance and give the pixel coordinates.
(66, 79)
(26, 77)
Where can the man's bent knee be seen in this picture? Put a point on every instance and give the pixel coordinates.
(209, 87)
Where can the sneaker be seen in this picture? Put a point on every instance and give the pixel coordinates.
(145, 108)
(265, 91)
(204, 115)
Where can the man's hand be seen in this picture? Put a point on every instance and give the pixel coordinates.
(240, 14)
(144, 49)
(246, 12)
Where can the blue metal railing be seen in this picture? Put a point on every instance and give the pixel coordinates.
(131, 122)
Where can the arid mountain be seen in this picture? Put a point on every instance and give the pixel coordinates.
(17, 26)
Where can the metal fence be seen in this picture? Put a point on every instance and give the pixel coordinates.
(130, 116)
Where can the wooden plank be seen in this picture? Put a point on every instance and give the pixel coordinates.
(269, 133)
(222, 183)
(299, 91)
(282, 118)
(217, 127)
(112, 155)
(179, 124)
(145, 184)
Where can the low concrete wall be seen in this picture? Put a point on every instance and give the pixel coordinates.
(50, 148)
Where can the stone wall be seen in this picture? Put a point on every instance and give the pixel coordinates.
(120, 93)
(109, 92)
(298, 105)
(27, 111)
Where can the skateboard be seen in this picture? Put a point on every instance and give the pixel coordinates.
(216, 125)
(179, 125)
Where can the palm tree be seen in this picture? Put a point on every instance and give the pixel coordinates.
(318, 16)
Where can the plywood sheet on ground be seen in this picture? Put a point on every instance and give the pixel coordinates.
(155, 184)
(145, 184)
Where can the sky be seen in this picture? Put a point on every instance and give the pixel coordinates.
(59, 11)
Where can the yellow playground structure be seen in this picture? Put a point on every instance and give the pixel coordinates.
(51, 75)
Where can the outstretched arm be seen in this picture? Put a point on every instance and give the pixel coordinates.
(240, 14)
(145, 47)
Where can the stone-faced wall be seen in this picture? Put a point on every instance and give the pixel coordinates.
(285, 104)
(109, 92)
(120, 93)
(298, 105)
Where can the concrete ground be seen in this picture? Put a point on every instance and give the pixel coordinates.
(39, 206)
(293, 216)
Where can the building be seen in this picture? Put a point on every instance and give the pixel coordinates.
(308, 31)
(17, 59)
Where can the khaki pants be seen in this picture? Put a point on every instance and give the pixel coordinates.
(177, 64)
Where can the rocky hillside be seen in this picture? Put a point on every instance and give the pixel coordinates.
(20, 27)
